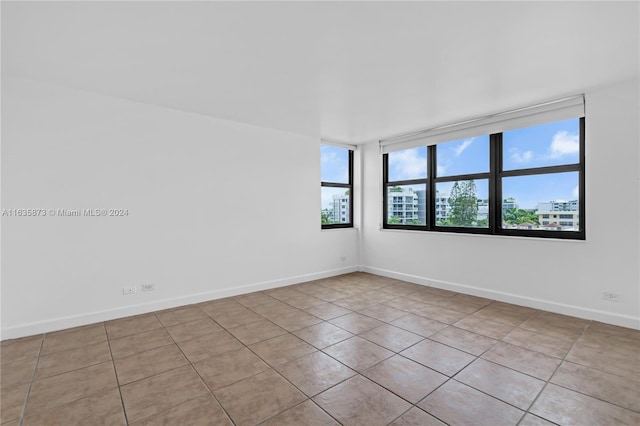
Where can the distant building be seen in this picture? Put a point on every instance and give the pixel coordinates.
(341, 208)
(404, 205)
(559, 215)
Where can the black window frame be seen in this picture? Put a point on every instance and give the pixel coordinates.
(348, 186)
(494, 176)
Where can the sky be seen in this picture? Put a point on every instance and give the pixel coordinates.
(550, 144)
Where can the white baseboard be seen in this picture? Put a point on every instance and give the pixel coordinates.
(546, 305)
(61, 323)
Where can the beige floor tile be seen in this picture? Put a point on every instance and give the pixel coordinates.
(220, 307)
(17, 372)
(356, 323)
(315, 372)
(383, 312)
(439, 357)
(203, 410)
(504, 313)
(419, 325)
(614, 330)
(359, 401)
(448, 316)
(619, 390)
(358, 353)
(273, 309)
(20, 349)
(251, 300)
(459, 305)
(149, 363)
(417, 417)
(495, 330)
(307, 414)
(73, 338)
(563, 406)
(355, 302)
(559, 330)
(180, 315)
(327, 311)
(193, 329)
(295, 320)
(258, 398)
(67, 387)
(281, 349)
(12, 402)
(131, 325)
(229, 367)
(72, 359)
(100, 409)
(325, 293)
(304, 301)
(607, 353)
(209, 345)
(531, 420)
(539, 342)
(464, 340)
(524, 360)
(500, 382)
(237, 318)
(159, 393)
(456, 403)
(136, 343)
(322, 335)
(255, 332)
(425, 296)
(393, 338)
(405, 378)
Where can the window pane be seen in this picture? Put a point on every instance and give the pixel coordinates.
(334, 164)
(407, 205)
(408, 164)
(549, 202)
(335, 205)
(463, 203)
(550, 144)
(463, 156)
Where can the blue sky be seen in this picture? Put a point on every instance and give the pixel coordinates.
(546, 145)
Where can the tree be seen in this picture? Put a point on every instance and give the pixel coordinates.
(518, 216)
(464, 204)
(393, 220)
(327, 216)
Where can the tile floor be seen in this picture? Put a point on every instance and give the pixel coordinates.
(354, 349)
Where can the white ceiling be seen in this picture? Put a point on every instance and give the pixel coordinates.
(349, 71)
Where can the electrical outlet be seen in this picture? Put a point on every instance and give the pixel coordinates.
(609, 295)
(148, 287)
(129, 290)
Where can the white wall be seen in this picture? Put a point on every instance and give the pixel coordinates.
(561, 276)
(215, 208)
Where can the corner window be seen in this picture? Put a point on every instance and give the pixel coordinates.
(525, 181)
(336, 171)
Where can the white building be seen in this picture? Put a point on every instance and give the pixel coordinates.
(341, 208)
(403, 204)
(559, 214)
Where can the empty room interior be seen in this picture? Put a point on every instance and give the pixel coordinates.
(320, 213)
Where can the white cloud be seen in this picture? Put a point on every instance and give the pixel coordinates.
(576, 192)
(464, 145)
(564, 143)
(407, 164)
(518, 157)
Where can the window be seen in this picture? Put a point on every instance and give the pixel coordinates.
(336, 171)
(523, 177)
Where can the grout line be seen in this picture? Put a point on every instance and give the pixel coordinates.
(115, 372)
(33, 378)
(195, 369)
